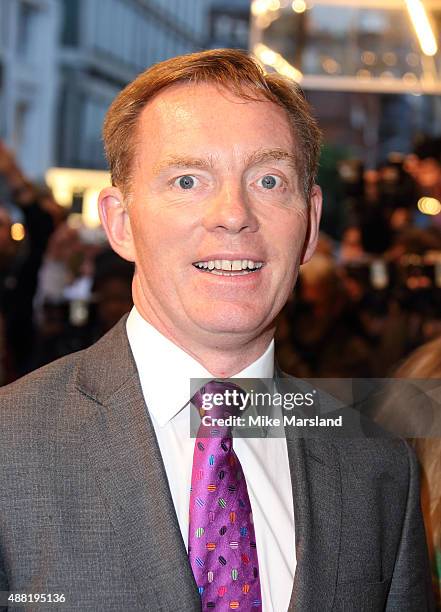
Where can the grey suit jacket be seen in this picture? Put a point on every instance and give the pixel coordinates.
(85, 507)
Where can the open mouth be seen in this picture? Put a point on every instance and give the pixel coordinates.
(229, 267)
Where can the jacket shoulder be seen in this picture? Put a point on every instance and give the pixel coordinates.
(49, 379)
(60, 386)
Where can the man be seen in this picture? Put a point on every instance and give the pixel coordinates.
(213, 198)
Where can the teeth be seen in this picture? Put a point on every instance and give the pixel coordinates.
(221, 273)
(219, 266)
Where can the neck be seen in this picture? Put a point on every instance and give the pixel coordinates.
(223, 363)
(223, 356)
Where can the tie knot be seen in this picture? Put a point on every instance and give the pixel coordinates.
(219, 399)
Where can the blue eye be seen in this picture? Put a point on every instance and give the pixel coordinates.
(186, 182)
(268, 181)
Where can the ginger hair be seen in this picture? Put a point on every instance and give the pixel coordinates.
(229, 69)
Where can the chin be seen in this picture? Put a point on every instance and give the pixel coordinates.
(228, 321)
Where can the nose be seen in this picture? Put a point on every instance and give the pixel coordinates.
(230, 211)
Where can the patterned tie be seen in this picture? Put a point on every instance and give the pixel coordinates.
(221, 543)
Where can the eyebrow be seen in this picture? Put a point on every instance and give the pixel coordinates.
(177, 161)
(267, 155)
(254, 159)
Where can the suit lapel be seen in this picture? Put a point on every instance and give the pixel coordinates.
(316, 485)
(317, 516)
(127, 461)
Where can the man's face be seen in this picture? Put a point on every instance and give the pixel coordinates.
(216, 213)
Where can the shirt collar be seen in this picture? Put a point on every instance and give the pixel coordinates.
(165, 369)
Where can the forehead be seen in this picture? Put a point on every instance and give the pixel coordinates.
(188, 116)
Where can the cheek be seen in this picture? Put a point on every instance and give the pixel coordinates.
(150, 237)
(289, 243)
(288, 236)
(159, 252)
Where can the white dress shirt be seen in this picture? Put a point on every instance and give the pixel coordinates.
(165, 371)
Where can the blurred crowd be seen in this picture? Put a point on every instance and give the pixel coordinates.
(371, 295)
(61, 287)
(366, 305)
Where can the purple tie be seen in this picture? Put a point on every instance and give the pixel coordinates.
(221, 541)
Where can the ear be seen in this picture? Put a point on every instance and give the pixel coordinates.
(116, 223)
(315, 212)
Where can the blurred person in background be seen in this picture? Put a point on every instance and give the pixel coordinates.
(427, 169)
(417, 415)
(327, 339)
(379, 202)
(414, 241)
(8, 249)
(67, 267)
(20, 265)
(112, 291)
(351, 246)
(417, 290)
(61, 331)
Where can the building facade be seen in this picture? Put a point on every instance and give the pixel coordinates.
(105, 44)
(63, 61)
(29, 80)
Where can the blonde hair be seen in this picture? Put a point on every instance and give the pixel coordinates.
(423, 363)
(227, 68)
